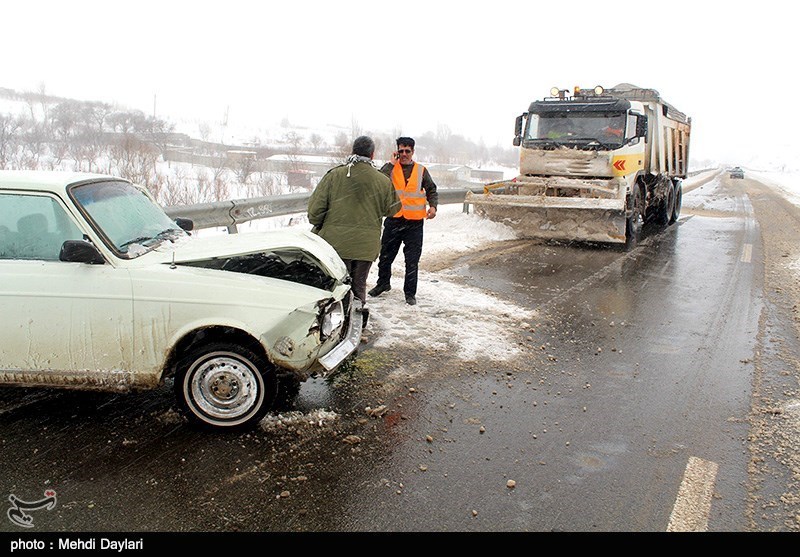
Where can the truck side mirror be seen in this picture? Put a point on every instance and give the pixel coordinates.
(518, 129)
(641, 125)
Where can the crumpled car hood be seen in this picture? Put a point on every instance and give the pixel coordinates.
(195, 248)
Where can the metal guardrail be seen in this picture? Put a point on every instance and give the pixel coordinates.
(238, 211)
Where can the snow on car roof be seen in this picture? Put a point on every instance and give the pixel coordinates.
(45, 180)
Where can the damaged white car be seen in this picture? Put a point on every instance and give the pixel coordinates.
(100, 289)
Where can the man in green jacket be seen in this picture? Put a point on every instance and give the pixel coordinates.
(347, 208)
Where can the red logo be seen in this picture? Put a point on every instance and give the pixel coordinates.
(620, 164)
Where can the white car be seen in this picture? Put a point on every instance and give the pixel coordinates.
(100, 289)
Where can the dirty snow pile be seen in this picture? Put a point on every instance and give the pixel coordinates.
(294, 421)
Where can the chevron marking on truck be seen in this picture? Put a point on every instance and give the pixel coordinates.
(623, 165)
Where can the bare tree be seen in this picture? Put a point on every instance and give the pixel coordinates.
(9, 137)
(355, 128)
(43, 101)
(316, 141)
(205, 130)
(159, 134)
(204, 185)
(221, 188)
(440, 145)
(136, 161)
(34, 143)
(342, 147)
(219, 170)
(295, 141)
(127, 121)
(63, 122)
(31, 99)
(243, 166)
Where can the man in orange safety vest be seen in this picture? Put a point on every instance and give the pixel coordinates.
(419, 200)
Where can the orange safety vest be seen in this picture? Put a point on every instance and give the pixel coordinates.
(412, 197)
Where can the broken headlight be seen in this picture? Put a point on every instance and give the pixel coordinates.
(332, 320)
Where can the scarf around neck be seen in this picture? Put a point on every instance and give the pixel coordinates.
(352, 159)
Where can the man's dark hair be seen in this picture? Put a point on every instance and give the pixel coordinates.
(364, 146)
(405, 141)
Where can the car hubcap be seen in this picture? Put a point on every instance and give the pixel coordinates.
(224, 387)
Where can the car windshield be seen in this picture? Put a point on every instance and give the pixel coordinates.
(577, 128)
(125, 216)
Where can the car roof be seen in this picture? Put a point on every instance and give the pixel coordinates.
(46, 180)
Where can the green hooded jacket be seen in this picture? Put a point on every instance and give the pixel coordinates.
(347, 208)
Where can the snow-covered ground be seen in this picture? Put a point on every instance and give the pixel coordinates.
(788, 183)
(448, 316)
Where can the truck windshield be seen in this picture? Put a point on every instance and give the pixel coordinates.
(589, 129)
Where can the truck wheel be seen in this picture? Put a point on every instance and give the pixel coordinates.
(667, 207)
(635, 221)
(225, 385)
(676, 211)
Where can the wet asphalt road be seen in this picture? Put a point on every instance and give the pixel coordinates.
(638, 362)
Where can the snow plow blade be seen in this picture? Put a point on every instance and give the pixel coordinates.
(555, 218)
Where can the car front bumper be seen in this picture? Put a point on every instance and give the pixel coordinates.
(349, 342)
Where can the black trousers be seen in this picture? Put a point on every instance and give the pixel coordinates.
(358, 272)
(396, 232)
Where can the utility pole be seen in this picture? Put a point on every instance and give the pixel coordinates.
(225, 123)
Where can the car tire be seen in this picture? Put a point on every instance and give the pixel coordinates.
(224, 385)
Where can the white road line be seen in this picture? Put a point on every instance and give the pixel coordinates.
(693, 504)
(747, 253)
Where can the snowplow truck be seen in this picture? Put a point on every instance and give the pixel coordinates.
(594, 165)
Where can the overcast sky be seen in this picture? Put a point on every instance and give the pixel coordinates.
(412, 65)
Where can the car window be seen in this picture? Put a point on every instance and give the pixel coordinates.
(34, 227)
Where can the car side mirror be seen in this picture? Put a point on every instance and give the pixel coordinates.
(185, 224)
(80, 251)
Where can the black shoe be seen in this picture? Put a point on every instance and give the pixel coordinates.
(411, 300)
(379, 289)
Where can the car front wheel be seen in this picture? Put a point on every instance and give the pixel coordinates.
(225, 386)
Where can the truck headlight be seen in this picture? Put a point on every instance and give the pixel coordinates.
(332, 320)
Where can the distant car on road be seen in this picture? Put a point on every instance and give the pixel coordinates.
(737, 172)
(100, 289)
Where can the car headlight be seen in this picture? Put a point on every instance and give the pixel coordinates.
(332, 320)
